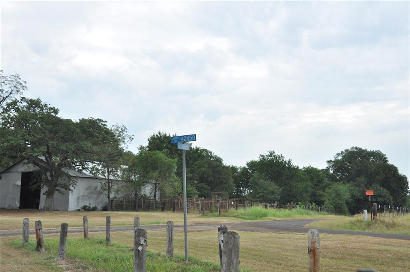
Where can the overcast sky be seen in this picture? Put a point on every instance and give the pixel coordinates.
(306, 80)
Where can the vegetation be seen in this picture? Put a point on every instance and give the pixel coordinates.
(31, 130)
(256, 213)
(93, 253)
(384, 224)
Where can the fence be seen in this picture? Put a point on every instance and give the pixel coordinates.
(228, 244)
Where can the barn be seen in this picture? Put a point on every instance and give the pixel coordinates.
(17, 190)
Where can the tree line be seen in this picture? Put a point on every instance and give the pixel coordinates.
(32, 130)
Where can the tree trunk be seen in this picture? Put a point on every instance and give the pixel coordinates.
(49, 202)
(109, 189)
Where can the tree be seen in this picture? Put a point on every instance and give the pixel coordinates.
(319, 181)
(155, 168)
(337, 198)
(105, 150)
(366, 169)
(31, 130)
(263, 190)
(10, 86)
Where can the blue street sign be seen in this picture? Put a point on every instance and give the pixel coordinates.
(183, 138)
(184, 146)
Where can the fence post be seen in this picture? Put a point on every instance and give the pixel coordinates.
(219, 207)
(374, 211)
(63, 240)
(221, 231)
(39, 236)
(85, 226)
(314, 250)
(140, 247)
(137, 223)
(203, 206)
(108, 230)
(26, 230)
(230, 252)
(170, 239)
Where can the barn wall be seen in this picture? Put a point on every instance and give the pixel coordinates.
(60, 200)
(10, 185)
(87, 192)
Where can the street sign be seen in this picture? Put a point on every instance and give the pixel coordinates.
(183, 146)
(183, 138)
(369, 192)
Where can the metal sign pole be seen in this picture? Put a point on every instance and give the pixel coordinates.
(185, 206)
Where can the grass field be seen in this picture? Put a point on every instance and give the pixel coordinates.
(384, 224)
(12, 219)
(266, 251)
(260, 213)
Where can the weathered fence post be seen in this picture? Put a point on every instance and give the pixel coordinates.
(170, 239)
(365, 215)
(108, 230)
(140, 247)
(137, 223)
(219, 207)
(26, 230)
(314, 250)
(39, 236)
(230, 252)
(85, 226)
(63, 240)
(203, 206)
(374, 211)
(221, 231)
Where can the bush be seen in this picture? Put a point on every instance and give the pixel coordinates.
(88, 208)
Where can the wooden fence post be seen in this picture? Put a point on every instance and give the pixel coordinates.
(374, 211)
(170, 239)
(314, 250)
(140, 248)
(26, 230)
(219, 207)
(108, 230)
(221, 231)
(137, 223)
(85, 226)
(39, 236)
(63, 240)
(230, 252)
(203, 206)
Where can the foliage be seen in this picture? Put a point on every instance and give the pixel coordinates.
(256, 213)
(263, 190)
(105, 150)
(88, 208)
(32, 131)
(10, 86)
(367, 169)
(337, 198)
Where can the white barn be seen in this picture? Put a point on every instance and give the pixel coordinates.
(16, 192)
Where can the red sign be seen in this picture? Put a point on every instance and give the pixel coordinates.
(369, 192)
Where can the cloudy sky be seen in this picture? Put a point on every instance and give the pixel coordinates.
(306, 80)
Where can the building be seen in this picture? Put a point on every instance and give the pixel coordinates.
(17, 192)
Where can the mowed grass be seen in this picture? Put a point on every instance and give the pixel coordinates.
(13, 219)
(278, 251)
(260, 213)
(384, 224)
(93, 254)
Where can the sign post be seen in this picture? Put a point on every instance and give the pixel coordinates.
(183, 144)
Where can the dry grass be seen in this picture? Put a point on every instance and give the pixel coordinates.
(286, 251)
(383, 224)
(12, 219)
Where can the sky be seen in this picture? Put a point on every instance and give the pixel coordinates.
(305, 79)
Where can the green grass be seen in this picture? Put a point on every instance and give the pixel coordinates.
(95, 254)
(256, 213)
(383, 224)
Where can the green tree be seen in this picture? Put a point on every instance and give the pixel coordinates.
(318, 180)
(338, 198)
(105, 151)
(10, 86)
(31, 130)
(263, 190)
(156, 169)
(366, 169)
